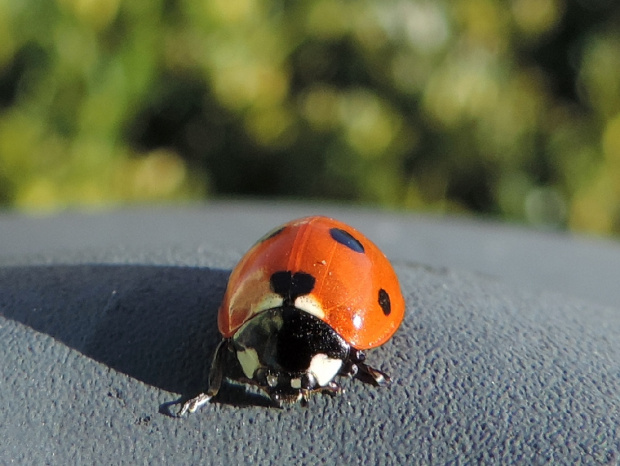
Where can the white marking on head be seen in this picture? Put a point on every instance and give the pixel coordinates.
(249, 361)
(296, 383)
(310, 305)
(324, 368)
(268, 301)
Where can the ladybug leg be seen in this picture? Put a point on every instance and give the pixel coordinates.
(364, 372)
(351, 366)
(216, 376)
(332, 388)
(373, 376)
(349, 369)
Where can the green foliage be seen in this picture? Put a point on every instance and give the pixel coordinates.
(508, 108)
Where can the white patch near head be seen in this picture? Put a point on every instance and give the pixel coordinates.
(310, 305)
(296, 383)
(324, 369)
(268, 301)
(357, 321)
(249, 361)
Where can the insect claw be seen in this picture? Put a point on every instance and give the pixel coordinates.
(192, 405)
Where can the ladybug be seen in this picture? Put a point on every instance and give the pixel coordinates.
(300, 308)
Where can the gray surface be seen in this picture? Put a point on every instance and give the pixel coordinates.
(577, 266)
(108, 317)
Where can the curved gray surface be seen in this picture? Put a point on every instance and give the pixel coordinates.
(95, 341)
(575, 266)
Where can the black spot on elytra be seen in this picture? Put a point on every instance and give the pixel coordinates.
(347, 239)
(271, 234)
(291, 285)
(384, 302)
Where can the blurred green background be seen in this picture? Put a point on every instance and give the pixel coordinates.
(505, 108)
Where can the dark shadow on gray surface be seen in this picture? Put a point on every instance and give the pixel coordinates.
(157, 324)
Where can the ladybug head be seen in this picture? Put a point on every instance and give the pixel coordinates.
(290, 353)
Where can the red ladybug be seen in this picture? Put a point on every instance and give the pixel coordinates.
(301, 307)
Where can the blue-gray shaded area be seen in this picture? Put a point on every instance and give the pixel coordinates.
(575, 266)
(95, 341)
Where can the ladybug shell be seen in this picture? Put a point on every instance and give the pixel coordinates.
(355, 289)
